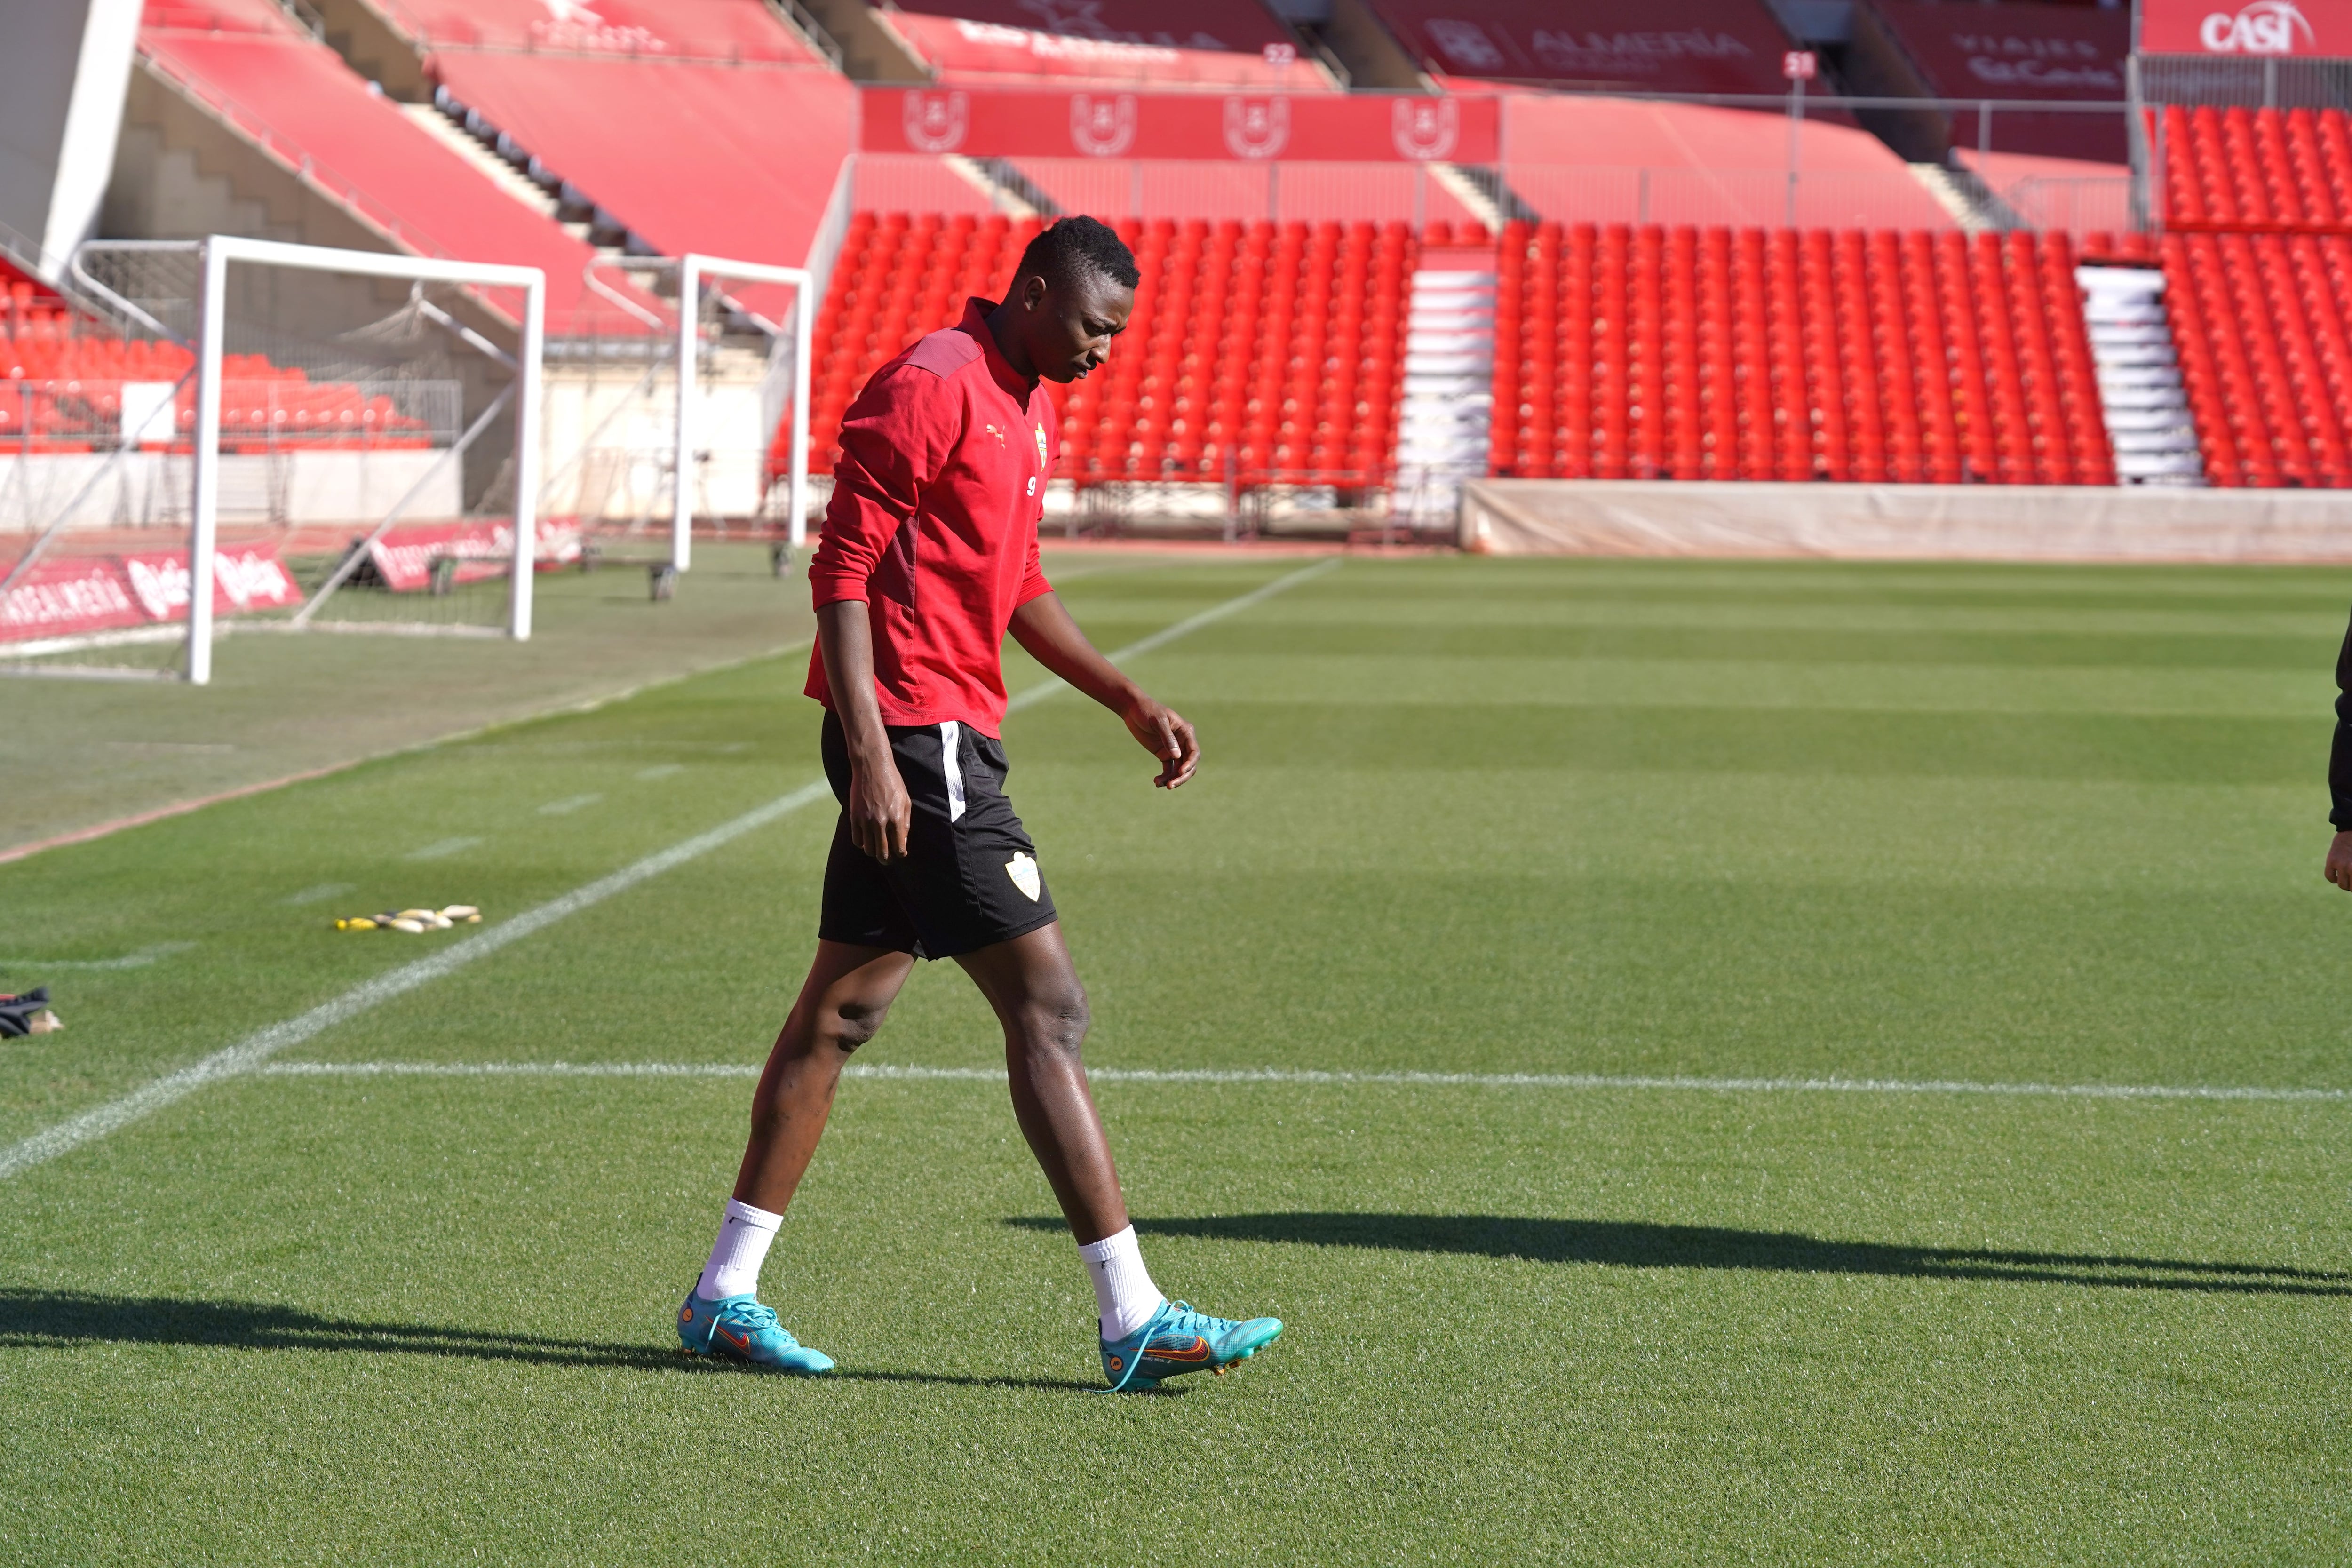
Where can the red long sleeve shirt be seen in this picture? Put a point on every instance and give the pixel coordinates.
(933, 523)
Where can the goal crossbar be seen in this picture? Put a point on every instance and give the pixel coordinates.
(220, 251)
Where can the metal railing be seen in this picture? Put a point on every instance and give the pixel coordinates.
(2196, 82)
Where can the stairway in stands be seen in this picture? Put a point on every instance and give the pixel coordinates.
(1444, 428)
(2139, 365)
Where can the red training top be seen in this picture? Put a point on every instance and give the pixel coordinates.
(933, 523)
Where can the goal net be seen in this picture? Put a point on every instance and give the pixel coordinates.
(693, 426)
(242, 434)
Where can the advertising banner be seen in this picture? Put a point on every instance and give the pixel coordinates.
(2314, 29)
(958, 47)
(403, 557)
(671, 29)
(74, 594)
(2014, 51)
(1659, 46)
(66, 598)
(244, 577)
(1012, 122)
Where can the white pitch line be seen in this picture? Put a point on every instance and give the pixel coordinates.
(1317, 1076)
(1189, 624)
(256, 1048)
(144, 957)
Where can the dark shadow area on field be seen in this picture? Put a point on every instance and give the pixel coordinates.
(61, 1319)
(1633, 1244)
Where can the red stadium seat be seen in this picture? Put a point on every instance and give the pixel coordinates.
(1262, 346)
(1698, 353)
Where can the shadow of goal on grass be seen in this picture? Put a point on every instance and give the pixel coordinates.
(61, 1319)
(1633, 1244)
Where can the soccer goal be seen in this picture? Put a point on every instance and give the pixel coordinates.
(240, 433)
(696, 420)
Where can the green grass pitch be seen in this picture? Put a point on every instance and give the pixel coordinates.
(1641, 821)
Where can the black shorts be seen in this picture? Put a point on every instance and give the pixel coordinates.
(971, 877)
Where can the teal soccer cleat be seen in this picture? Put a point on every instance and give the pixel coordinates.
(1180, 1340)
(738, 1328)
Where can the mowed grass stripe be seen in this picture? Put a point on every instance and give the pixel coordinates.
(257, 1047)
(917, 1074)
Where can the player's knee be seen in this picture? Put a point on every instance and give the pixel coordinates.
(849, 1025)
(1055, 1021)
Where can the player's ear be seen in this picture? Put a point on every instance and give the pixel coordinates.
(1033, 292)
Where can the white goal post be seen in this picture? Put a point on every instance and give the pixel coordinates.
(683, 424)
(221, 251)
(692, 268)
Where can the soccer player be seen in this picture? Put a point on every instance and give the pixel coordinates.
(2338, 866)
(929, 556)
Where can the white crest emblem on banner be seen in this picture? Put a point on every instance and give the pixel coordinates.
(936, 122)
(1424, 127)
(1256, 127)
(1024, 872)
(1102, 127)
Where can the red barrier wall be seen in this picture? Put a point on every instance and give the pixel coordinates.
(1020, 123)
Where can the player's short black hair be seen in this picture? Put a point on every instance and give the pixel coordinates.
(1071, 247)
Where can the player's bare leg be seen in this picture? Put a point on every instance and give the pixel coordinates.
(848, 991)
(1034, 988)
(843, 1001)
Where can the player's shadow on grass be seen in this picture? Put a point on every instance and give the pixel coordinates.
(1627, 1243)
(64, 1318)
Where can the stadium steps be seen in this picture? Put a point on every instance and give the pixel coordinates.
(1008, 190)
(1442, 431)
(1964, 194)
(438, 125)
(2140, 394)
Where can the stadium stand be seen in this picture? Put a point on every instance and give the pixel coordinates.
(2260, 321)
(1695, 353)
(2273, 171)
(1216, 43)
(734, 131)
(61, 390)
(1271, 353)
(284, 93)
(1666, 46)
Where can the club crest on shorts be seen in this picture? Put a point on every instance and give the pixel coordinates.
(1024, 872)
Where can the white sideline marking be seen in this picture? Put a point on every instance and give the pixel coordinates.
(140, 960)
(256, 1048)
(1044, 689)
(324, 890)
(1575, 1080)
(568, 804)
(441, 851)
(259, 1046)
(662, 770)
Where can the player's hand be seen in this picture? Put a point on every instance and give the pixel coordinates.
(1162, 732)
(881, 817)
(2339, 862)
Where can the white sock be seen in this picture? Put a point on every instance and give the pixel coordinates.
(1124, 1292)
(736, 1256)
